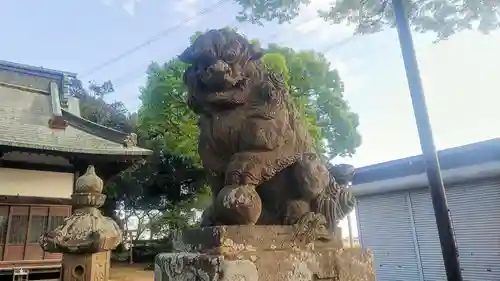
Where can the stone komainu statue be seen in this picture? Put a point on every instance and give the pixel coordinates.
(256, 149)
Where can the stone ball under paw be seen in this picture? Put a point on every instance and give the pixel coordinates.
(238, 205)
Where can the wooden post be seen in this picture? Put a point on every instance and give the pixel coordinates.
(131, 245)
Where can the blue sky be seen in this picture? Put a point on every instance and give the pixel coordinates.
(459, 75)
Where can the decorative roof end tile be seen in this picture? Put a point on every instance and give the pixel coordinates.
(130, 140)
(57, 121)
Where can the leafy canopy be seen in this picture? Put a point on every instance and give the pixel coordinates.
(164, 116)
(161, 181)
(444, 18)
(317, 91)
(93, 107)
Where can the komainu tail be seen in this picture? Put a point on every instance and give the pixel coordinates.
(336, 201)
(334, 206)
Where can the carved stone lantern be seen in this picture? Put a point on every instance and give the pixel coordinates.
(87, 237)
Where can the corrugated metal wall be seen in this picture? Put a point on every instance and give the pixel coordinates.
(385, 226)
(475, 210)
(401, 230)
(427, 236)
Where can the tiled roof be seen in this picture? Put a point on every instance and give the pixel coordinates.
(24, 119)
(30, 68)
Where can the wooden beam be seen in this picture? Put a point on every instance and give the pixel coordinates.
(35, 166)
(33, 200)
(93, 158)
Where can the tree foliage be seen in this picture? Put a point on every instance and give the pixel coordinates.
(164, 116)
(93, 107)
(179, 216)
(444, 18)
(317, 92)
(161, 181)
(259, 11)
(275, 61)
(168, 176)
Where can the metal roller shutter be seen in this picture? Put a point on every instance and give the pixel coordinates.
(427, 236)
(384, 222)
(475, 211)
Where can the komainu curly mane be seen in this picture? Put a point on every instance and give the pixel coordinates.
(256, 149)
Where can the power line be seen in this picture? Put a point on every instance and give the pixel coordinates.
(328, 49)
(339, 44)
(132, 75)
(155, 38)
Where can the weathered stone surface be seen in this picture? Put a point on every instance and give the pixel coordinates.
(187, 266)
(228, 238)
(86, 231)
(257, 151)
(259, 253)
(86, 267)
(89, 183)
(275, 203)
(83, 232)
(87, 237)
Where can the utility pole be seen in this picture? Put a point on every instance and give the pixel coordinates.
(436, 187)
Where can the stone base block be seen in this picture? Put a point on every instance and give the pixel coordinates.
(86, 267)
(259, 253)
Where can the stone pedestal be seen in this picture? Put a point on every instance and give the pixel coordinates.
(86, 266)
(259, 253)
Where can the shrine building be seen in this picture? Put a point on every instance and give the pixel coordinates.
(44, 145)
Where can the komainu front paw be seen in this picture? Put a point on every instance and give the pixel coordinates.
(238, 205)
(312, 227)
(311, 175)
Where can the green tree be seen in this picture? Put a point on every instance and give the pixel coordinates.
(259, 11)
(277, 62)
(161, 181)
(444, 18)
(177, 216)
(317, 92)
(93, 107)
(164, 117)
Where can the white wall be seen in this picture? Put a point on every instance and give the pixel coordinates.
(35, 183)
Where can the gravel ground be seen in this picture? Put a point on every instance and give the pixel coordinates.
(126, 272)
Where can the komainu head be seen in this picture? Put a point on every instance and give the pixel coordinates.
(221, 61)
